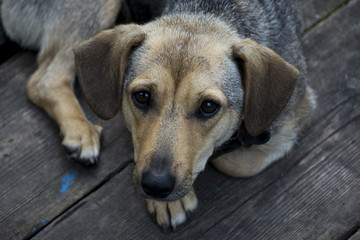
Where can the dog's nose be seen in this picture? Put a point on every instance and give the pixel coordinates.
(157, 185)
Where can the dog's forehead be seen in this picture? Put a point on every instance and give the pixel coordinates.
(181, 54)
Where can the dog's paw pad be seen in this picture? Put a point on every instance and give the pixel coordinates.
(172, 214)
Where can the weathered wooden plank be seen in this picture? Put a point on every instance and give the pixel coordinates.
(319, 202)
(313, 193)
(338, 86)
(117, 212)
(35, 164)
(315, 10)
(356, 236)
(301, 197)
(38, 182)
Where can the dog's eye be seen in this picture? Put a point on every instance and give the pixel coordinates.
(208, 108)
(141, 98)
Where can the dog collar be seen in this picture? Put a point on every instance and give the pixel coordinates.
(241, 139)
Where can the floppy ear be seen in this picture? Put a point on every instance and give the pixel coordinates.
(100, 65)
(268, 82)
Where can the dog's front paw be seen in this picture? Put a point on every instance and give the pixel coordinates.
(172, 214)
(82, 141)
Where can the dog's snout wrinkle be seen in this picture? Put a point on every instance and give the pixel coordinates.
(157, 184)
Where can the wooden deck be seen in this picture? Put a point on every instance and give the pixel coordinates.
(312, 193)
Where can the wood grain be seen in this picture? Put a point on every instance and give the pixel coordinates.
(315, 10)
(33, 161)
(313, 193)
(315, 199)
(356, 236)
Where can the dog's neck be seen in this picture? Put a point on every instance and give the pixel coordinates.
(241, 139)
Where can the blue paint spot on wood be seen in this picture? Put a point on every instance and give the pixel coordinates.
(34, 229)
(43, 221)
(216, 188)
(66, 181)
(89, 117)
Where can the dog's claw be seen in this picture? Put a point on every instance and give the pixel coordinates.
(86, 162)
(78, 152)
(189, 213)
(164, 228)
(73, 152)
(69, 150)
(153, 216)
(93, 160)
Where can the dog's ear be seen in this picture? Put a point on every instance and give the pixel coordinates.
(100, 65)
(268, 82)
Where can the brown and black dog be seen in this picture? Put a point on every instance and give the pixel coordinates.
(222, 80)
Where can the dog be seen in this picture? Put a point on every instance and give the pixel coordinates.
(219, 80)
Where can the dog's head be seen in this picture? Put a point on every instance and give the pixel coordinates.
(184, 89)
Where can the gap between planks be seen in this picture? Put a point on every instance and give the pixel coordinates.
(354, 235)
(73, 207)
(293, 166)
(325, 16)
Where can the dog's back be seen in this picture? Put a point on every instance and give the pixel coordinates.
(37, 24)
(276, 24)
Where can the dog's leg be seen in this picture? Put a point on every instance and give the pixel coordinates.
(172, 214)
(243, 162)
(246, 162)
(50, 87)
